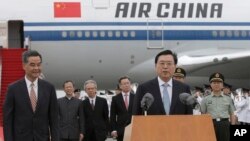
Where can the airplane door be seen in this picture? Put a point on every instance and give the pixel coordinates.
(15, 34)
(154, 34)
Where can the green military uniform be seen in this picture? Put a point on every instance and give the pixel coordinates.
(220, 107)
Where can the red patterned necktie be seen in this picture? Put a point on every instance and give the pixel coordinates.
(33, 98)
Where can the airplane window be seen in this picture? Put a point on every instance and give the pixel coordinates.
(125, 33)
(236, 33)
(102, 33)
(132, 33)
(229, 33)
(110, 34)
(71, 34)
(87, 34)
(95, 34)
(243, 33)
(79, 34)
(158, 33)
(117, 33)
(222, 33)
(64, 34)
(214, 33)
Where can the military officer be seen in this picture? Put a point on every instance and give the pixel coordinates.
(179, 74)
(220, 107)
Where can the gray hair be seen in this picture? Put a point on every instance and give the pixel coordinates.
(90, 81)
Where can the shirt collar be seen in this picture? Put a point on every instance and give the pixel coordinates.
(28, 82)
(69, 98)
(221, 94)
(92, 98)
(123, 94)
(161, 82)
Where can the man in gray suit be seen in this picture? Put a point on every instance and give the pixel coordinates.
(71, 118)
(30, 108)
(163, 88)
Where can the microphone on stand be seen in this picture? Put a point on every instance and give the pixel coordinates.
(146, 102)
(188, 99)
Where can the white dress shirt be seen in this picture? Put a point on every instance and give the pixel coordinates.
(169, 88)
(28, 83)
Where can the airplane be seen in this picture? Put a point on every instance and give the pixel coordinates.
(106, 39)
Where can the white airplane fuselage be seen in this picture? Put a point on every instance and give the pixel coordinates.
(103, 40)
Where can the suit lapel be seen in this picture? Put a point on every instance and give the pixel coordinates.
(121, 101)
(89, 105)
(174, 96)
(131, 99)
(25, 92)
(40, 94)
(157, 94)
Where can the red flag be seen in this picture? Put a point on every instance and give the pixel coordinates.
(67, 9)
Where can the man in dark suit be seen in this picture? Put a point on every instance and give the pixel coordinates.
(121, 109)
(71, 119)
(95, 114)
(30, 108)
(163, 88)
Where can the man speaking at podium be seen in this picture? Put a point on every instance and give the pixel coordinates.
(164, 90)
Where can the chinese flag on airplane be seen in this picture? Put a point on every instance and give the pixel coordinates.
(67, 9)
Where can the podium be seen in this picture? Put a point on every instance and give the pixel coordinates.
(170, 128)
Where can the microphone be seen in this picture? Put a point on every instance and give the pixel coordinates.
(146, 102)
(188, 99)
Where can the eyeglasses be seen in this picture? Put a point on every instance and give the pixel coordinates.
(168, 64)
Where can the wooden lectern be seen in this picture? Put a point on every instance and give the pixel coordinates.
(170, 128)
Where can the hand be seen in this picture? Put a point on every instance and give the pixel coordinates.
(114, 134)
(81, 137)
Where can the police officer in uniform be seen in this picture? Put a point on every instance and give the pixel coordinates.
(179, 74)
(220, 107)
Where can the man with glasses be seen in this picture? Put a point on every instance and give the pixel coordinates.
(163, 88)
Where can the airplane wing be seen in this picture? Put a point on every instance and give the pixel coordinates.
(234, 66)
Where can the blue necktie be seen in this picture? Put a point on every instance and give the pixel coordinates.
(165, 98)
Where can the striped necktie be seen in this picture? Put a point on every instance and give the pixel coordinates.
(126, 101)
(33, 98)
(165, 98)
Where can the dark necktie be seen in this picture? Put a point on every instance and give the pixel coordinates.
(92, 104)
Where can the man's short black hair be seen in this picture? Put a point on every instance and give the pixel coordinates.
(77, 90)
(167, 52)
(30, 53)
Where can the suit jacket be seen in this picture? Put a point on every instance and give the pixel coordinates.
(157, 108)
(120, 116)
(96, 120)
(21, 123)
(71, 120)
